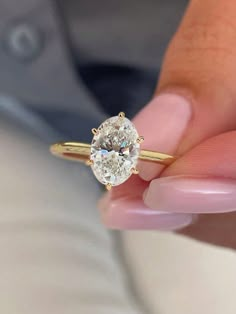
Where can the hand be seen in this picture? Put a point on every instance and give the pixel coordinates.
(192, 115)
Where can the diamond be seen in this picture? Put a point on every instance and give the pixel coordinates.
(114, 150)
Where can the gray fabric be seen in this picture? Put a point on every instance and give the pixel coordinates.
(49, 79)
(135, 32)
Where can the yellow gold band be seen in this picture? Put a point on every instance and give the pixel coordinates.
(81, 152)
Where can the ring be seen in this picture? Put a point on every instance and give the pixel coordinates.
(114, 152)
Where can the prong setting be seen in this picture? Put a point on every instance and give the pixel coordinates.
(94, 131)
(140, 139)
(108, 186)
(89, 162)
(134, 171)
(121, 115)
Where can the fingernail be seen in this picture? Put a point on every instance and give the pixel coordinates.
(162, 123)
(188, 194)
(134, 215)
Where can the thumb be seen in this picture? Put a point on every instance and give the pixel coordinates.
(196, 92)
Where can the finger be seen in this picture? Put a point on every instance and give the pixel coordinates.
(122, 210)
(198, 76)
(162, 123)
(202, 181)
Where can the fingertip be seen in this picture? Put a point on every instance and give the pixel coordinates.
(162, 123)
(133, 214)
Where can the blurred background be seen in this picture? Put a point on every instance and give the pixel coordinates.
(64, 67)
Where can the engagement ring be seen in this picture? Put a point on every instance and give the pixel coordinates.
(114, 152)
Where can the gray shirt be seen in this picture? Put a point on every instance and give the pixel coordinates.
(40, 38)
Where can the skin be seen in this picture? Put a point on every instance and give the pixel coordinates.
(200, 65)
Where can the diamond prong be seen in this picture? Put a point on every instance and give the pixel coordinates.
(94, 131)
(108, 186)
(89, 162)
(140, 139)
(134, 171)
(121, 115)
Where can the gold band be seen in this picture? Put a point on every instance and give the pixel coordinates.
(81, 152)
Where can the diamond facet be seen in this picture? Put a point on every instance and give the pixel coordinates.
(114, 150)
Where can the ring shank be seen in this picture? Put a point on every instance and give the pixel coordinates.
(80, 152)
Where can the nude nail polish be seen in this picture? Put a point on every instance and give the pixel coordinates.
(192, 194)
(128, 214)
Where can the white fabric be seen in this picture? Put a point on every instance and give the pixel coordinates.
(176, 275)
(55, 256)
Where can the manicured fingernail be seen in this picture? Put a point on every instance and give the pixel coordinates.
(162, 123)
(134, 215)
(188, 194)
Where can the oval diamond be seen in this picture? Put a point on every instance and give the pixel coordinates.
(114, 150)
